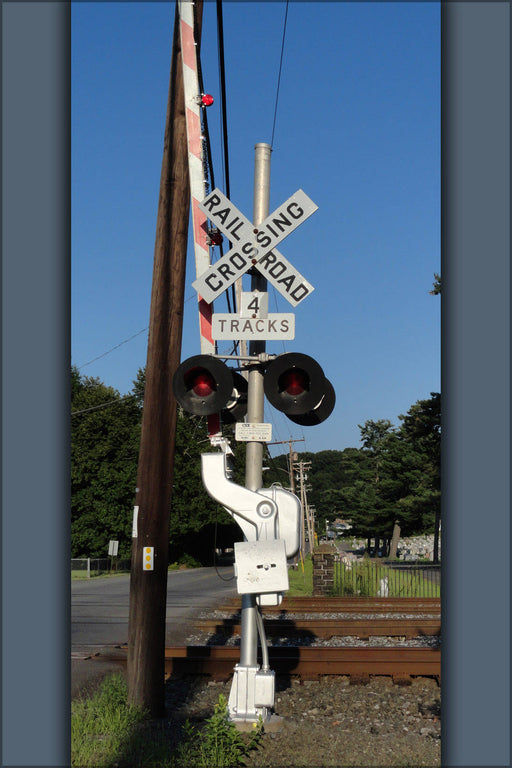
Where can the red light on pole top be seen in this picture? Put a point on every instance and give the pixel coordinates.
(206, 100)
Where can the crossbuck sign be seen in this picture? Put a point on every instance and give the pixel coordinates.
(255, 247)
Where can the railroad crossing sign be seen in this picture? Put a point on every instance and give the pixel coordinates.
(255, 246)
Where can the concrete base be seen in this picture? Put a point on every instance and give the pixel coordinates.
(273, 724)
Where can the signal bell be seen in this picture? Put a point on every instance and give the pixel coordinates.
(296, 385)
(203, 385)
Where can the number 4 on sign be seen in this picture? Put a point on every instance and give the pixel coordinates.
(254, 304)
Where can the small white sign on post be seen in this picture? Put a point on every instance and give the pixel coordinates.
(254, 304)
(274, 326)
(113, 547)
(258, 433)
(254, 321)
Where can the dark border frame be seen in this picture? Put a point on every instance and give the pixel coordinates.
(475, 382)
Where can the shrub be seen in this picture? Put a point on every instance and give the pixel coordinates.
(218, 745)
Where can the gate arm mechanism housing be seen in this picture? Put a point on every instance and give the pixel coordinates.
(255, 513)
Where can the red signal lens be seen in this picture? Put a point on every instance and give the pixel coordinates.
(201, 381)
(207, 99)
(294, 382)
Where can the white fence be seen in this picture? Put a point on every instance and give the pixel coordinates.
(88, 566)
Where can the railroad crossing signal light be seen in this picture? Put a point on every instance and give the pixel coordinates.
(321, 411)
(296, 385)
(203, 385)
(236, 407)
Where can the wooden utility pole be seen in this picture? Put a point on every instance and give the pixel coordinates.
(303, 465)
(148, 583)
(290, 443)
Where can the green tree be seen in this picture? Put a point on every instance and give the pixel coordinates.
(420, 432)
(197, 523)
(105, 438)
(375, 487)
(105, 433)
(436, 287)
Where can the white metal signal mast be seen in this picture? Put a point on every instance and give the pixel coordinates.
(293, 383)
(244, 699)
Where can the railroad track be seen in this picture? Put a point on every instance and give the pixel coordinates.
(307, 663)
(404, 617)
(403, 605)
(327, 628)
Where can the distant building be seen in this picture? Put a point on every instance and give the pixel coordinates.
(341, 525)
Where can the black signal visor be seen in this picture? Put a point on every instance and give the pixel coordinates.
(202, 385)
(294, 383)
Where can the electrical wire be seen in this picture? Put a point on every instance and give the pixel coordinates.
(222, 74)
(279, 76)
(113, 348)
(224, 125)
(103, 405)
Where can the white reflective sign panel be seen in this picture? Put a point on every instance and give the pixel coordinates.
(253, 304)
(275, 326)
(284, 277)
(251, 244)
(223, 214)
(261, 433)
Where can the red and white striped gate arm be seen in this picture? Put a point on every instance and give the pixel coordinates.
(196, 175)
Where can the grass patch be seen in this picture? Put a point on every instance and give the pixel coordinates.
(364, 580)
(301, 578)
(107, 732)
(97, 574)
(103, 725)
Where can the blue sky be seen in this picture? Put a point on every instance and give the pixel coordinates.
(357, 128)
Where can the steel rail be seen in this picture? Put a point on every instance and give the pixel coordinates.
(307, 663)
(327, 628)
(311, 663)
(404, 605)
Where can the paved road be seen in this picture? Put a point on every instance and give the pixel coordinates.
(99, 613)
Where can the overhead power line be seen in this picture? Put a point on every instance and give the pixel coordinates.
(193, 296)
(103, 405)
(113, 348)
(279, 76)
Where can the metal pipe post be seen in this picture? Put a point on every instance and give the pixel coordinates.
(255, 395)
(255, 401)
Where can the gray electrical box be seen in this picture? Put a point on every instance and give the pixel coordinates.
(260, 566)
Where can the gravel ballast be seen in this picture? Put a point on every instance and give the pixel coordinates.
(331, 722)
